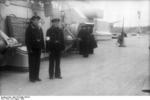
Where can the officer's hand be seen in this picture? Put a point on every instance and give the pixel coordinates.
(56, 41)
(47, 38)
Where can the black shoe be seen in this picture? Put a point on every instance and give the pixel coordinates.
(58, 77)
(85, 56)
(33, 81)
(80, 53)
(38, 79)
(91, 53)
(51, 77)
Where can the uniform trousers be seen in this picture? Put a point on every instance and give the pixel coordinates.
(54, 64)
(34, 64)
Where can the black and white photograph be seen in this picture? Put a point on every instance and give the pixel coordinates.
(74, 48)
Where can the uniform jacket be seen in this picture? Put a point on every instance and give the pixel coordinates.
(34, 38)
(56, 42)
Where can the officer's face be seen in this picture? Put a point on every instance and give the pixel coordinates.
(36, 22)
(84, 28)
(89, 28)
(56, 24)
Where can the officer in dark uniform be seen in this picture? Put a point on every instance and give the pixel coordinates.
(84, 37)
(54, 45)
(35, 43)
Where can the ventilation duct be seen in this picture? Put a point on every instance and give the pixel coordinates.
(91, 14)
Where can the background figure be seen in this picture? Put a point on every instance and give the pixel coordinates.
(92, 43)
(121, 39)
(84, 37)
(35, 43)
(54, 45)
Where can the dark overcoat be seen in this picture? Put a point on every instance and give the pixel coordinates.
(34, 38)
(56, 42)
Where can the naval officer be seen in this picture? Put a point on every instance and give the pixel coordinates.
(35, 43)
(55, 46)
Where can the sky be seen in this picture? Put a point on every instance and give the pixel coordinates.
(117, 10)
